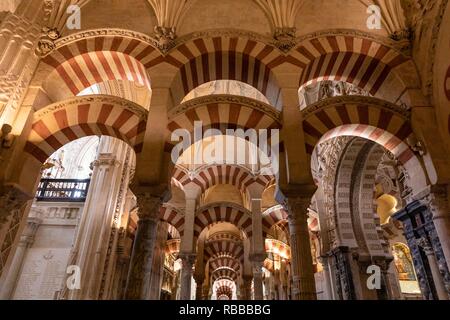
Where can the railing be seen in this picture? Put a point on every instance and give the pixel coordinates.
(62, 190)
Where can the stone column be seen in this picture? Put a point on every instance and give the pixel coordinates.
(247, 287)
(418, 223)
(139, 275)
(199, 289)
(205, 293)
(437, 278)
(14, 204)
(187, 248)
(158, 261)
(284, 281)
(26, 241)
(304, 287)
(258, 254)
(188, 261)
(257, 261)
(440, 210)
(328, 277)
(100, 219)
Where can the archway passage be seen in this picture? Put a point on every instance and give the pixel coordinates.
(213, 213)
(215, 58)
(81, 71)
(361, 61)
(63, 122)
(370, 118)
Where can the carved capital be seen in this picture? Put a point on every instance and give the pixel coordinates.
(187, 259)
(297, 209)
(148, 206)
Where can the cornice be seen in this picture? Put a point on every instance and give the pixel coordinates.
(398, 46)
(117, 101)
(152, 40)
(86, 34)
(224, 98)
(332, 102)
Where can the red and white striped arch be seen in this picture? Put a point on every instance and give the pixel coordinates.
(84, 70)
(226, 58)
(367, 120)
(278, 248)
(61, 123)
(223, 248)
(209, 176)
(224, 291)
(273, 216)
(363, 62)
(221, 116)
(134, 44)
(225, 273)
(173, 217)
(223, 212)
(225, 262)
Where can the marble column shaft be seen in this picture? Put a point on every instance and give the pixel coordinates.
(188, 261)
(304, 287)
(140, 273)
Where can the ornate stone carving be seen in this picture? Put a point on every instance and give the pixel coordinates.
(165, 38)
(148, 206)
(328, 89)
(47, 40)
(343, 273)
(285, 39)
(131, 106)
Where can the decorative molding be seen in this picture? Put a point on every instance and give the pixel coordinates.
(331, 102)
(166, 38)
(126, 104)
(229, 99)
(46, 43)
(155, 40)
(106, 32)
(357, 34)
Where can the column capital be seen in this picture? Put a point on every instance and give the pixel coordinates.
(258, 258)
(149, 201)
(188, 257)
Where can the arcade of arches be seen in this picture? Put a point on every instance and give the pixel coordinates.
(105, 190)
